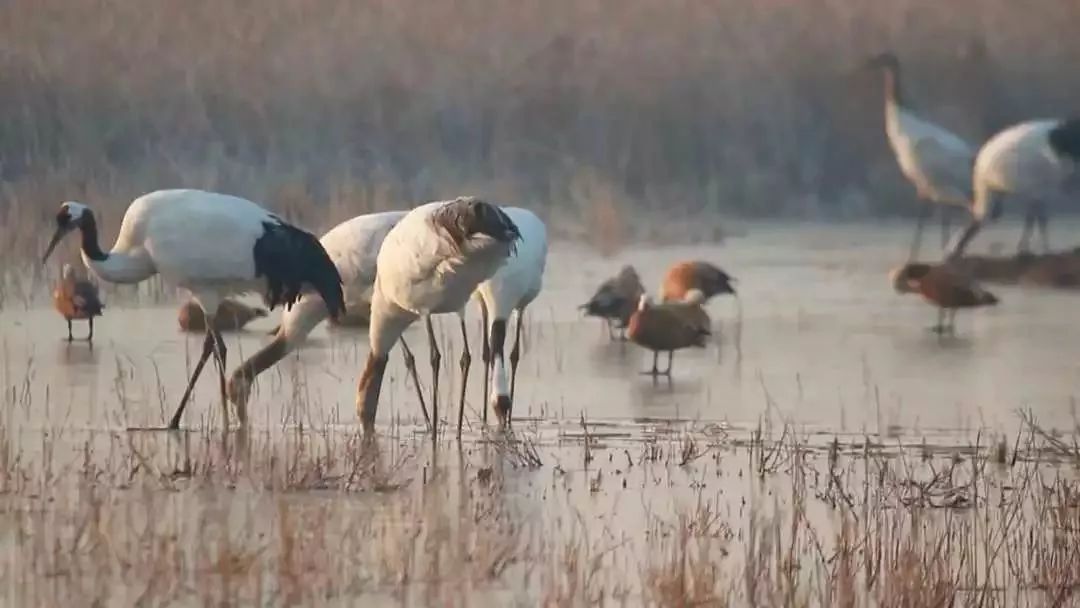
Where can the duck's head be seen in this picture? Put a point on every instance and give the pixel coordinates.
(905, 279)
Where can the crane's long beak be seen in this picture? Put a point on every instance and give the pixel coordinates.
(58, 236)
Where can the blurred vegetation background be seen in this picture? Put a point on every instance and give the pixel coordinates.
(584, 108)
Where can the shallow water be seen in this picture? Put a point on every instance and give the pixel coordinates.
(818, 344)
(821, 342)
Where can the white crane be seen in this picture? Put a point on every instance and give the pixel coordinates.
(511, 289)
(1029, 161)
(430, 263)
(213, 245)
(353, 246)
(936, 161)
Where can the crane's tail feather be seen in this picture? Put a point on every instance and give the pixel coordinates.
(289, 258)
(1065, 138)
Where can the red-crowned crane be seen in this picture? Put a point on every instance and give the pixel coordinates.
(1029, 161)
(430, 263)
(213, 245)
(936, 161)
(512, 288)
(353, 245)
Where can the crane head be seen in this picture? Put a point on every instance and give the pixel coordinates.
(70, 217)
(886, 60)
(469, 217)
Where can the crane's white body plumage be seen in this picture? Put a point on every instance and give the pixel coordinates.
(513, 287)
(201, 241)
(937, 162)
(1019, 160)
(517, 283)
(421, 272)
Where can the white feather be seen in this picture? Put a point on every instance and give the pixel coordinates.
(1018, 160)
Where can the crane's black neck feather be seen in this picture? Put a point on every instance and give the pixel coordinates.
(90, 246)
(1065, 139)
(289, 258)
(467, 216)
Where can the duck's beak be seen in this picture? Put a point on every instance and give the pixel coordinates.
(61, 232)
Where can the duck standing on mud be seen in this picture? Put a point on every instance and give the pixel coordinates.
(231, 316)
(669, 327)
(616, 300)
(77, 298)
(944, 287)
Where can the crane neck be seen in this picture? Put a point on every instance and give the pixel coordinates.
(893, 92)
(90, 248)
(115, 267)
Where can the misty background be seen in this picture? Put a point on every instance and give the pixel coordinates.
(584, 109)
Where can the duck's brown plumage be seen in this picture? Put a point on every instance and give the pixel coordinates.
(617, 298)
(669, 327)
(942, 285)
(685, 277)
(77, 298)
(231, 316)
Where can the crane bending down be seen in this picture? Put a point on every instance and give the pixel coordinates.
(353, 245)
(512, 288)
(1030, 161)
(213, 245)
(936, 161)
(430, 263)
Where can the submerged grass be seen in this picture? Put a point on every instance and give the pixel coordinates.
(694, 518)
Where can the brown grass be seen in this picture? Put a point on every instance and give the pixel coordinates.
(327, 109)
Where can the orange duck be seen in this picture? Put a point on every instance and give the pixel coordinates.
(944, 287)
(231, 316)
(77, 298)
(686, 277)
(669, 327)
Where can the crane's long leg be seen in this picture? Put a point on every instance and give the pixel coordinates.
(670, 362)
(485, 353)
(70, 337)
(208, 347)
(515, 356)
(924, 211)
(219, 358)
(1040, 219)
(466, 362)
(90, 335)
(946, 225)
(1029, 222)
(436, 358)
(410, 364)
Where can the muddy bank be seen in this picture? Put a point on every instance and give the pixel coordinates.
(1059, 270)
